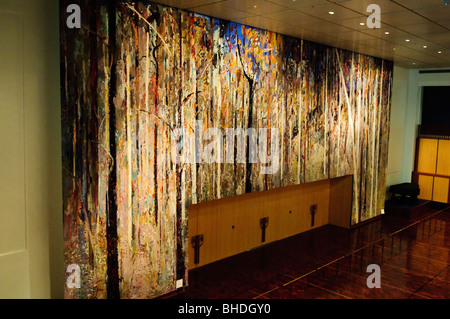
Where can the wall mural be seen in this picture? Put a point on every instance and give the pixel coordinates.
(148, 93)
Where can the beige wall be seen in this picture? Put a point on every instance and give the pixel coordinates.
(31, 244)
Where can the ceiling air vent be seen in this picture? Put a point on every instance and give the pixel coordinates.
(435, 71)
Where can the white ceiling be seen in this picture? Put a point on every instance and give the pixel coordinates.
(422, 22)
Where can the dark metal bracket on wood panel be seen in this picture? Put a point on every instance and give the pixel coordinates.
(313, 210)
(263, 223)
(197, 242)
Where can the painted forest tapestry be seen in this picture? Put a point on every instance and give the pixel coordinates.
(136, 73)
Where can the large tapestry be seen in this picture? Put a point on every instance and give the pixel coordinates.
(163, 107)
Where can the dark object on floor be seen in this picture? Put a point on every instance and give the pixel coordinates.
(407, 191)
(411, 209)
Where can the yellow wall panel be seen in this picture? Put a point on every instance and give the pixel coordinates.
(427, 155)
(426, 187)
(440, 191)
(443, 160)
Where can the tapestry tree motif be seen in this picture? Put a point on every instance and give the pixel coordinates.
(137, 71)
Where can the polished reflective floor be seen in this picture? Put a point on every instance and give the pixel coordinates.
(331, 262)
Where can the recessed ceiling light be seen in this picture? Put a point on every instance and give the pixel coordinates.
(386, 32)
(439, 52)
(414, 63)
(361, 23)
(407, 40)
(330, 12)
(424, 46)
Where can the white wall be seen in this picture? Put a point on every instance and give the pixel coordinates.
(415, 88)
(405, 117)
(397, 133)
(31, 242)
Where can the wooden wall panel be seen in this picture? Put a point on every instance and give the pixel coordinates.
(441, 189)
(229, 226)
(207, 224)
(317, 194)
(433, 169)
(340, 201)
(272, 204)
(291, 211)
(251, 210)
(443, 159)
(427, 155)
(232, 225)
(426, 187)
(192, 230)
